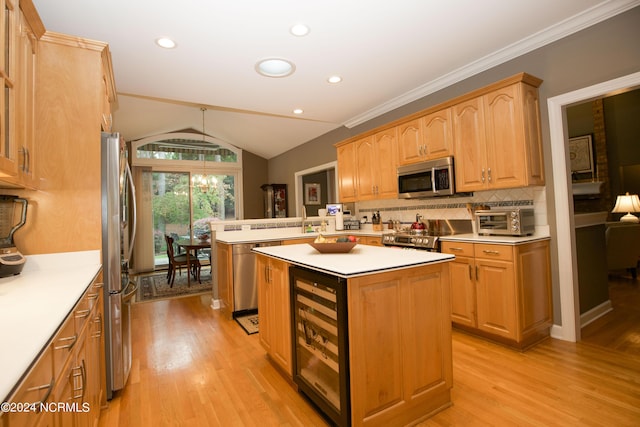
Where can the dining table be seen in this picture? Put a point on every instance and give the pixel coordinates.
(191, 247)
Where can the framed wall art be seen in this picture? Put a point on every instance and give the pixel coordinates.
(312, 194)
(581, 154)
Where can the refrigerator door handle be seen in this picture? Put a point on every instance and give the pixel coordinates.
(126, 297)
(134, 211)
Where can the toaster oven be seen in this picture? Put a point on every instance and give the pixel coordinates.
(505, 222)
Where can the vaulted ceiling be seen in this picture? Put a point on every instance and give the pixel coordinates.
(387, 53)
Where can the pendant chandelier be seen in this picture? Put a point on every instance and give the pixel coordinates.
(203, 182)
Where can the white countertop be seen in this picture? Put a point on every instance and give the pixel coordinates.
(362, 260)
(275, 234)
(34, 304)
(508, 240)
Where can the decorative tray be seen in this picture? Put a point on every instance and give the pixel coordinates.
(333, 248)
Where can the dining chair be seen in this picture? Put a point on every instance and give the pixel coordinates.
(179, 261)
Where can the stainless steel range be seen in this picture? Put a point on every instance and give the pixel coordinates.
(427, 239)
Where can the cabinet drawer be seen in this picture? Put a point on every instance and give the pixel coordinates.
(36, 388)
(488, 251)
(63, 344)
(457, 248)
(83, 310)
(93, 294)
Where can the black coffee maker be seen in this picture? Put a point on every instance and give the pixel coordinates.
(13, 215)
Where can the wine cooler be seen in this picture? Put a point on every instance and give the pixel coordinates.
(320, 345)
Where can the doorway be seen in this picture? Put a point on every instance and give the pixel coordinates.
(569, 327)
(327, 174)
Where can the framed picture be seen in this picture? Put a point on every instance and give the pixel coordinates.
(581, 154)
(312, 194)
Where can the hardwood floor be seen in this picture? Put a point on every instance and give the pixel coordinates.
(192, 367)
(619, 329)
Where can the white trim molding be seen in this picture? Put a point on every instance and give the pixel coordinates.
(569, 327)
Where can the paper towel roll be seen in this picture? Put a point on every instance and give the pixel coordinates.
(339, 220)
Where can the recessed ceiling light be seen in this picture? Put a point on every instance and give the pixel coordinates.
(298, 111)
(334, 79)
(166, 43)
(299, 30)
(275, 67)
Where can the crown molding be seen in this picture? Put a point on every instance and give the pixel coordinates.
(549, 35)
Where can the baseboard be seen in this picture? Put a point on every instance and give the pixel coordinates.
(215, 304)
(595, 313)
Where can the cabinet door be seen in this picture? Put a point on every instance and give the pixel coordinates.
(365, 168)
(506, 167)
(496, 297)
(225, 277)
(403, 368)
(265, 304)
(463, 291)
(346, 156)
(410, 145)
(26, 44)
(384, 175)
(437, 131)
(281, 326)
(8, 148)
(469, 145)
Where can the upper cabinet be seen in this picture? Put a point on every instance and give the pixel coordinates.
(21, 29)
(497, 139)
(493, 134)
(425, 138)
(376, 166)
(346, 155)
(367, 167)
(8, 147)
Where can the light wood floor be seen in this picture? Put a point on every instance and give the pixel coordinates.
(619, 329)
(191, 367)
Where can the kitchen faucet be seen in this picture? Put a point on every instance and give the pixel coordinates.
(304, 216)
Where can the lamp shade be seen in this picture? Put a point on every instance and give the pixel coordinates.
(626, 204)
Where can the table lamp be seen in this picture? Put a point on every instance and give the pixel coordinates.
(626, 204)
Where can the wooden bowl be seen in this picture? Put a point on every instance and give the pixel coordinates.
(333, 248)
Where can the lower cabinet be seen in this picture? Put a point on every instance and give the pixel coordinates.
(399, 345)
(501, 292)
(224, 262)
(275, 311)
(69, 376)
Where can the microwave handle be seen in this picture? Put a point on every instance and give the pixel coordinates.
(433, 180)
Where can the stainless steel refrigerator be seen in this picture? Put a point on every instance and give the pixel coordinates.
(118, 235)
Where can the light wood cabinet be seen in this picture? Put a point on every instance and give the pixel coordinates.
(425, 138)
(371, 240)
(497, 139)
(8, 147)
(224, 270)
(346, 158)
(501, 291)
(274, 311)
(367, 167)
(70, 371)
(399, 345)
(376, 166)
(20, 29)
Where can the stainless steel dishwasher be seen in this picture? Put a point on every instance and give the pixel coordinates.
(245, 281)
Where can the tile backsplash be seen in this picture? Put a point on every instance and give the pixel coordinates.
(455, 207)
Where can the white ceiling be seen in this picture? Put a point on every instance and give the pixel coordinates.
(389, 53)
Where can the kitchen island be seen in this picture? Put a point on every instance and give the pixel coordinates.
(398, 328)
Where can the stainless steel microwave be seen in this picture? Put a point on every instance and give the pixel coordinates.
(431, 178)
(505, 222)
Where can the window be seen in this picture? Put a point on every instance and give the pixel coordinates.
(193, 182)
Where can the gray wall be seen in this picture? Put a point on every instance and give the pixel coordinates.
(603, 52)
(254, 174)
